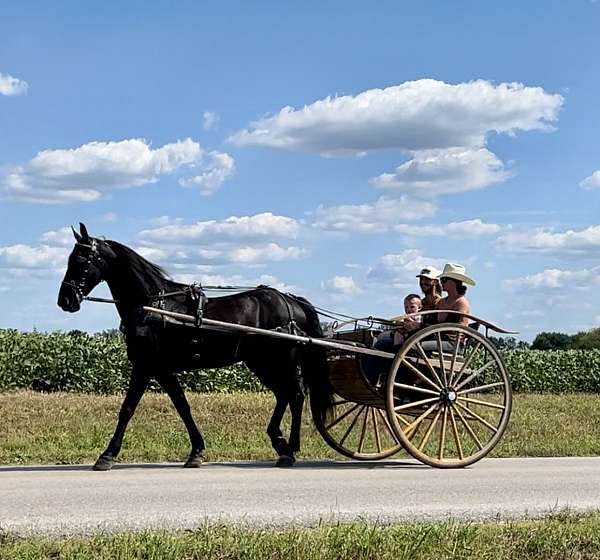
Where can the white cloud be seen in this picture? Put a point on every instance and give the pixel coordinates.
(244, 228)
(417, 115)
(245, 240)
(179, 256)
(209, 120)
(154, 254)
(431, 173)
(400, 270)
(27, 257)
(10, 86)
(271, 252)
(591, 182)
(542, 240)
(86, 173)
(378, 217)
(554, 279)
(62, 237)
(341, 285)
(453, 230)
(217, 170)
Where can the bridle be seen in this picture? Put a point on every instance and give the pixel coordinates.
(93, 258)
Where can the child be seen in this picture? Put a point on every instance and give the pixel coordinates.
(412, 304)
(375, 367)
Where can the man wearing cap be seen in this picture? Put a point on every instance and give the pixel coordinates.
(430, 286)
(453, 279)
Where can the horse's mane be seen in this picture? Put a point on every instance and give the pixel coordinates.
(140, 266)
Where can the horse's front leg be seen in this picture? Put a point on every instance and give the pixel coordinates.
(137, 387)
(172, 387)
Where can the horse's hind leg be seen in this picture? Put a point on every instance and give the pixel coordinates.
(296, 404)
(171, 385)
(137, 387)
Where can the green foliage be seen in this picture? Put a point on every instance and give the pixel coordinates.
(506, 343)
(587, 340)
(552, 341)
(558, 371)
(77, 361)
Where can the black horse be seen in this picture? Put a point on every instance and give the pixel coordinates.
(158, 348)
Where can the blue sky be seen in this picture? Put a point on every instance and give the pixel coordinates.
(415, 133)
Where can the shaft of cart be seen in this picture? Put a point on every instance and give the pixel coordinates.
(222, 325)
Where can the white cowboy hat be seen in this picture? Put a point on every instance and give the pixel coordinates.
(456, 272)
(429, 272)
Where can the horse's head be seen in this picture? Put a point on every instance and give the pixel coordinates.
(87, 267)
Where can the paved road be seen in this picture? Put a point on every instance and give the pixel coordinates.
(57, 500)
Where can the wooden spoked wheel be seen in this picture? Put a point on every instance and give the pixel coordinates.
(448, 396)
(358, 430)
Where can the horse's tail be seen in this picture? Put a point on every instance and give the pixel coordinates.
(314, 366)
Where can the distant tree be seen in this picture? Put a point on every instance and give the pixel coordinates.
(586, 340)
(110, 333)
(77, 333)
(552, 341)
(508, 343)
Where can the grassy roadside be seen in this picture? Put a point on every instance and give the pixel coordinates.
(563, 536)
(65, 428)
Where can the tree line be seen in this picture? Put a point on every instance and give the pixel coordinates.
(585, 340)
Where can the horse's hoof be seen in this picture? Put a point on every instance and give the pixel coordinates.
(285, 461)
(103, 463)
(194, 461)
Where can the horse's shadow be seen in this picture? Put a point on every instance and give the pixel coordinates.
(257, 465)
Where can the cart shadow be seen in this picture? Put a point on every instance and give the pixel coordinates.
(327, 465)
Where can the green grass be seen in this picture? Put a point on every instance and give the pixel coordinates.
(564, 536)
(67, 428)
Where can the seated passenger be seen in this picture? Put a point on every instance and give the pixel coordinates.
(453, 279)
(430, 286)
(391, 340)
(412, 304)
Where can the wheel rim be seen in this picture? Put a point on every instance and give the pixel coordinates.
(448, 396)
(358, 431)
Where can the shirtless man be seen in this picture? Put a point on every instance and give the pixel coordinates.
(453, 279)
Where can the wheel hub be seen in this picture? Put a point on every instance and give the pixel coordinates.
(448, 395)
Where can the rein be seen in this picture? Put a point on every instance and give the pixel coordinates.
(170, 294)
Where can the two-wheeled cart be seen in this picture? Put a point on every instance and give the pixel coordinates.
(445, 396)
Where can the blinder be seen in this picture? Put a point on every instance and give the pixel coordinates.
(93, 258)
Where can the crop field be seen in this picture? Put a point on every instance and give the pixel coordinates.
(83, 363)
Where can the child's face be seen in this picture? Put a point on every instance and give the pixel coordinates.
(412, 305)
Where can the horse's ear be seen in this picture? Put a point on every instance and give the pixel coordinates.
(84, 232)
(78, 237)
